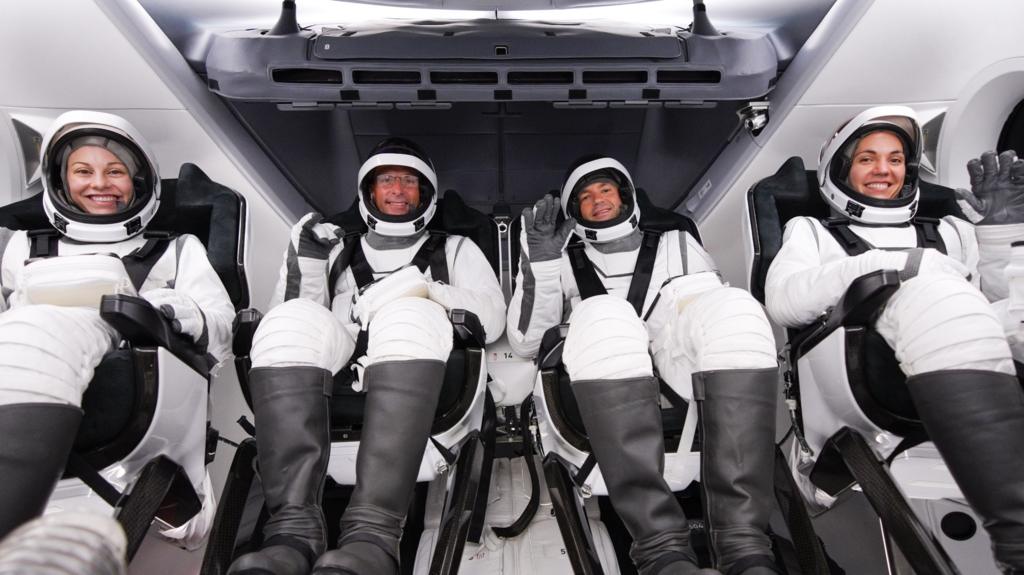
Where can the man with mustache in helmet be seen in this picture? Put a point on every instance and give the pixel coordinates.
(952, 343)
(708, 341)
(303, 341)
(101, 189)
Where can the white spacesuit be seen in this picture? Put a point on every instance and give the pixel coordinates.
(949, 339)
(369, 284)
(101, 188)
(709, 341)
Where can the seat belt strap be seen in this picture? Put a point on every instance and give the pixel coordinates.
(642, 272)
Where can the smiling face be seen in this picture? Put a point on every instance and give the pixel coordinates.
(600, 201)
(98, 182)
(879, 166)
(396, 190)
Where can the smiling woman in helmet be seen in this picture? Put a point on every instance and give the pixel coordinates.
(101, 189)
(950, 323)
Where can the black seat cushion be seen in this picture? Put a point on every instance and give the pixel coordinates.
(108, 403)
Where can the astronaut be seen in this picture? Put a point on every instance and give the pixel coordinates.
(952, 343)
(312, 335)
(101, 189)
(709, 341)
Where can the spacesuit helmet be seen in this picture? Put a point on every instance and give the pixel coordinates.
(74, 130)
(406, 154)
(836, 160)
(593, 169)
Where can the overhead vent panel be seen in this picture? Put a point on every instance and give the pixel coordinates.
(435, 63)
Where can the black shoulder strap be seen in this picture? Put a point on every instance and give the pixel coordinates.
(140, 262)
(431, 254)
(43, 243)
(583, 270)
(853, 244)
(643, 271)
(928, 235)
(361, 270)
(350, 246)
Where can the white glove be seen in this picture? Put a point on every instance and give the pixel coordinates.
(180, 310)
(406, 282)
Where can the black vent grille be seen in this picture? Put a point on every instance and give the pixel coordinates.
(306, 76)
(689, 76)
(484, 78)
(385, 77)
(615, 76)
(535, 77)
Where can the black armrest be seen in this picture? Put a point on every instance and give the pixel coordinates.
(550, 353)
(142, 325)
(243, 329)
(468, 329)
(859, 306)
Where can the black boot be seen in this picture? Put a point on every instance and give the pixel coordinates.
(401, 398)
(292, 411)
(737, 417)
(37, 438)
(623, 421)
(976, 419)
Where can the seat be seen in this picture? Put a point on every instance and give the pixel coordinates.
(570, 469)
(454, 453)
(144, 441)
(848, 398)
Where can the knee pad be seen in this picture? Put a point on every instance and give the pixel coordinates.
(728, 329)
(48, 353)
(606, 340)
(301, 332)
(410, 328)
(939, 322)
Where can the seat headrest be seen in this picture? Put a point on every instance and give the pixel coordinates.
(661, 220)
(793, 191)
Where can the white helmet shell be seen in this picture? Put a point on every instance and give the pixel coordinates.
(397, 152)
(600, 232)
(834, 167)
(65, 216)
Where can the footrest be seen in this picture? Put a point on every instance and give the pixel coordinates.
(162, 489)
(572, 521)
(458, 516)
(220, 550)
(919, 547)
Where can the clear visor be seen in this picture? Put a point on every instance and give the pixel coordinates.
(123, 159)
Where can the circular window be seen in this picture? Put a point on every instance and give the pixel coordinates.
(1012, 135)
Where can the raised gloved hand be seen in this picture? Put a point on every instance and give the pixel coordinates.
(997, 188)
(181, 311)
(544, 239)
(314, 238)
